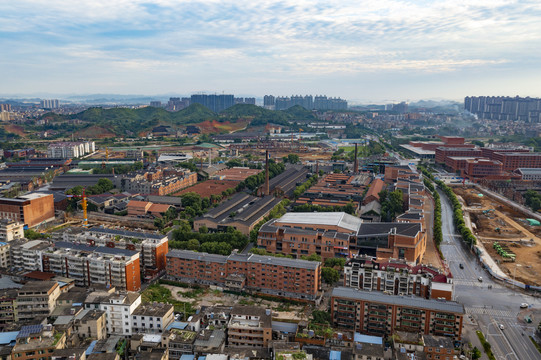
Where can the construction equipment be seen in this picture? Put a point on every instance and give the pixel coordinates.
(84, 205)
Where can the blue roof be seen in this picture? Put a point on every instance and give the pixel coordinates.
(335, 355)
(177, 325)
(7, 338)
(91, 347)
(201, 358)
(284, 327)
(367, 339)
(29, 329)
(187, 357)
(3, 243)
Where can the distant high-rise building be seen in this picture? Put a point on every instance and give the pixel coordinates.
(268, 100)
(215, 103)
(250, 101)
(156, 103)
(176, 103)
(49, 104)
(505, 108)
(5, 107)
(401, 108)
(239, 101)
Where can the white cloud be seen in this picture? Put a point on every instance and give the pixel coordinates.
(231, 40)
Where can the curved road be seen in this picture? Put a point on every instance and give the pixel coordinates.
(489, 308)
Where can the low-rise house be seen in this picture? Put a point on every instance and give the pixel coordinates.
(37, 299)
(152, 318)
(249, 326)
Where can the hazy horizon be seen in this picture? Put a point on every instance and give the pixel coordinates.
(361, 51)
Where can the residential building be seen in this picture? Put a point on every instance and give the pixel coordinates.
(19, 153)
(37, 299)
(152, 318)
(152, 247)
(70, 150)
(8, 309)
(5, 259)
(119, 308)
(49, 103)
(91, 324)
(216, 103)
(375, 313)
(504, 108)
(11, 230)
(30, 209)
(397, 277)
(179, 342)
(282, 277)
(439, 347)
(94, 265)
(249, 326)
(327, 234)
(36, 342)
(26, 255)
(157, 182)
(241, 212)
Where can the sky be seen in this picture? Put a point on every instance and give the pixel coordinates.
(362, 51)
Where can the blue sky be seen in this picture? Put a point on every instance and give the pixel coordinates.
(364, 51)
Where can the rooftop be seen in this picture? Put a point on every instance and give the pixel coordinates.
(153, 309)
(383, 228)
(408, 301)
(339, 219)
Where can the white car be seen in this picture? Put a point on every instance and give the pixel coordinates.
(502, 327)
(480, 279)
(524, 305)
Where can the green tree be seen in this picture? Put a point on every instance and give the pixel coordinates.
(476, 353)
(203, 230)
(330, 275)
(321, 317)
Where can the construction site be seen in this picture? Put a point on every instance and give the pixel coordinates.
(509, 236)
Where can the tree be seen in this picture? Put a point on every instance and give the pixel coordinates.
(476, 353)
(321, 317)
(203, 230)
(293, 158)
(330, 275)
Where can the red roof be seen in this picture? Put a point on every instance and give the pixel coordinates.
(39, 275)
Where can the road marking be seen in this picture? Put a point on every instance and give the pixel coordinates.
(491, 312)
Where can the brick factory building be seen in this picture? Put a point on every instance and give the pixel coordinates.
(378, 314)
(289, 278)
(397, 277)
(241, 212)
(327, 234)
(515, 160)
(31, 209)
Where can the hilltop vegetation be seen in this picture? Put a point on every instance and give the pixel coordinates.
(124, 121)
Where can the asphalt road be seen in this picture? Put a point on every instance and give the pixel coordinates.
(489, 307)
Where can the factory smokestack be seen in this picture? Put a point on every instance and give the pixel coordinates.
(267, 190)
(355, 164)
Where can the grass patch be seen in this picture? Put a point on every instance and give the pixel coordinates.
(486, 345)
(158, 293)
(537, 346)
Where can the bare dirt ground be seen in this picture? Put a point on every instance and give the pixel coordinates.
(495, 221)
(211, 297)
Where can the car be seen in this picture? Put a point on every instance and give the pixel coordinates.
(524, 305)
(480, 279)
(502, 327)
(461, 266)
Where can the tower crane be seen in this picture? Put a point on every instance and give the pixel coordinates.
(84, 206)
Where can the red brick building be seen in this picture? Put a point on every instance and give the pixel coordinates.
(378, 314)
(443, 152)
(327, 234)
(31, 209)
(514, 160)
(281, 277)
(482, 168)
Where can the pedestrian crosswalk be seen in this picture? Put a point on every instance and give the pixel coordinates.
(475, 283)
(491, 312)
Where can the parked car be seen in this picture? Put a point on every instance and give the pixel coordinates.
(524, 305)
(502, 327)
(480, 279)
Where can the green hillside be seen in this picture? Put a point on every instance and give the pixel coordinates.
(122, 120)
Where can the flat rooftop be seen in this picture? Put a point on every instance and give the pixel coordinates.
(408, 301)
(340, 219)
